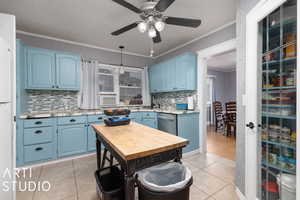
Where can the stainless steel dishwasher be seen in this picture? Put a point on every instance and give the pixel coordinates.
(167, 123)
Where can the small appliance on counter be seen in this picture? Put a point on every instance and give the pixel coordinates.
(190, 103)
(117, 117)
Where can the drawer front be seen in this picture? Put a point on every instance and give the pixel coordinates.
(72, 120)
(149, 115)
(38, 135)
(38, 152)
(32, 123)
(95, 118)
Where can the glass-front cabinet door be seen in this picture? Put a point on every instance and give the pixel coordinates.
(277, 116)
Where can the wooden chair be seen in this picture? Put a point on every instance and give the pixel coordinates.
(219, 116)
(230, 118)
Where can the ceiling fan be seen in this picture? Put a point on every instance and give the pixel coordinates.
(153, 20)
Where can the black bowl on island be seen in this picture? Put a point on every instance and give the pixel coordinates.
(117, 112)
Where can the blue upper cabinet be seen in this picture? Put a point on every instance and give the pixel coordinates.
(50, 70)
(67, 72)
(41, 69)
(176, 74)
(186, 72)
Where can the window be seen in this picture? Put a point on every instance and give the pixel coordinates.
(106, 80)
(115, 88)
(131, 87)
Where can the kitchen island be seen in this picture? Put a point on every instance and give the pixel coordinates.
(137, 147)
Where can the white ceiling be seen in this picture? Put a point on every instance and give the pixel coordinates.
(92, 21)
(223, 62)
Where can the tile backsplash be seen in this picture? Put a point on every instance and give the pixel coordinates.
(169, 100)
(39, 101)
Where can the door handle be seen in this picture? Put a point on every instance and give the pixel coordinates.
(250, 125)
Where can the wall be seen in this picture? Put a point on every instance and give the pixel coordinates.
(86, 52)
(244, 6)
(211, 40)
(224, 85)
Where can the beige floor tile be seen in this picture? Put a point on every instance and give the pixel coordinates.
(57, 172)
(200, 161)
(197, 194)
(222, 171)
(207, 183)
(227, 193)
(88, 195)
(60, 189)
(24, 195)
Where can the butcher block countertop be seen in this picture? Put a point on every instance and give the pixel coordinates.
(135, 140)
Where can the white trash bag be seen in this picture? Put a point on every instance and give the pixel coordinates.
(166, 177)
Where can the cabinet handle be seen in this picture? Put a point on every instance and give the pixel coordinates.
(38, 122)
(38, 149)
(72, 120)
(100, 118)
(38, 132)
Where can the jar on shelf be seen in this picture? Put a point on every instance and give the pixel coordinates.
(285, 136)
(293, 137)
(274, 133)
(272, 158)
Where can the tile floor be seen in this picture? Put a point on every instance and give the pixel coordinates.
(74, 179)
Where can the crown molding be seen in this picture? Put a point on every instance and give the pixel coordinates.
(80, 44)
(126, 52)
(195, 39)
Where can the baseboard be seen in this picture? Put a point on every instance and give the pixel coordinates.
(240, 194)
(56, 161)
(191, 153)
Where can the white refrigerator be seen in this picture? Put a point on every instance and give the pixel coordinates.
(7, 105)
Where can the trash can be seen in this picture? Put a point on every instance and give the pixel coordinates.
(287, 183)
(110, 183)
(169, 181)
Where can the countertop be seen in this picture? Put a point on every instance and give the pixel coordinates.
(136, 141)
(98, 112)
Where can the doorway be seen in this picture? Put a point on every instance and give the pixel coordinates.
(221, 104)
(204, 89)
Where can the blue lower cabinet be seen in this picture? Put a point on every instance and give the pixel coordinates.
(151, 122)
(38, 135)
(72, 139)
(38, 152)
(188, 128)
(91, 139)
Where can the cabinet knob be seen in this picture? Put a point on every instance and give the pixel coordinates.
(53, 86)
(57, 86)
(100, 118)
(72, 120)
(38, 149)
(38, 122)
(38, 132)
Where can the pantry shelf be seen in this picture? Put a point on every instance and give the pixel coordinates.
(278, 168)
(279, 116)
(279, 144)
(280, 88)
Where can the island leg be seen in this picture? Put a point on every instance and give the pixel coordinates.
(129, 187)
(98, 149)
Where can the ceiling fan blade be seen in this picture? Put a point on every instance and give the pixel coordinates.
(162, 5)
(128, 5)
(183, 22)
(124, 29)
(157, 39)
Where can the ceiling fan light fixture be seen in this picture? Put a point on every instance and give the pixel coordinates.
(159, 25)
(142, 27)
(152, 32)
